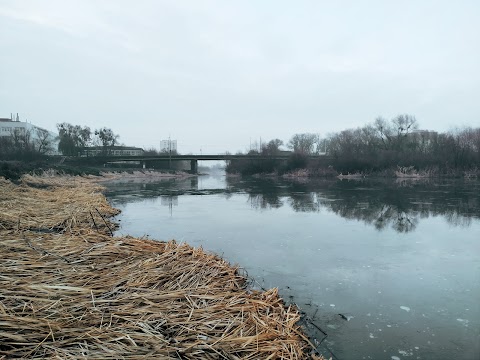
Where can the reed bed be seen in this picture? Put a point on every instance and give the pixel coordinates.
(69, 290)
(49, 204)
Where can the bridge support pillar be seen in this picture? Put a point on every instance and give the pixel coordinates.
(193, 166)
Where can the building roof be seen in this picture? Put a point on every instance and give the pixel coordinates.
(6, 120)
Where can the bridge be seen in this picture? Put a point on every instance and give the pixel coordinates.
(194, 158)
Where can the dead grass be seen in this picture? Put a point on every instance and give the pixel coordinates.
(68, 290)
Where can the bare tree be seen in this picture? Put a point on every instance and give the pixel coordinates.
(43, 141)
(107, 137)
(272, 147)
(384, 132)
(73, 138)
(404, 124)
(304, 143)
(21, 138)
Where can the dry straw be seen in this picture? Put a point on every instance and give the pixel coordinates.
(69, 290)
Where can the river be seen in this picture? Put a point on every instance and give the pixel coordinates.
(382, 269)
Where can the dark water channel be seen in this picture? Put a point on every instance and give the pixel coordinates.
(387, 269)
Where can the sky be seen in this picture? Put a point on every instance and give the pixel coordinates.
(219, 75)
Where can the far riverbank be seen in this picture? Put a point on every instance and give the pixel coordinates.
(399, 172)
(14, 170)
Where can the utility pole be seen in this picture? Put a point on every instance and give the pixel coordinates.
(170, 151)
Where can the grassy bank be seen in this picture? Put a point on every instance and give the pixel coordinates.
(69, 289)
(14, 170)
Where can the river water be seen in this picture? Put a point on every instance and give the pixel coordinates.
(382, 269)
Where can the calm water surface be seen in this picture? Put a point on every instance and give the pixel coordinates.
(382, 269)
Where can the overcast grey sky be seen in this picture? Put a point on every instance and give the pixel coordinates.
(215, 74)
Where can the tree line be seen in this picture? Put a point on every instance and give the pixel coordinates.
(26, 144)
(73, 138)
(378, 146)
(398, 142)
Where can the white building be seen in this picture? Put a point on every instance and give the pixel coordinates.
(112, 151)
(10, 127)
(168, 146)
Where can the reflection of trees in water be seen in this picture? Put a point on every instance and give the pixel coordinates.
(404, 222)
(401, 221)
(379, 215)
(306, 202)
(269, 194)
(380, 208)
(260, 201)
(456, 219)
(401, 208)
(137, 191)
(262, 194)
(382, 204)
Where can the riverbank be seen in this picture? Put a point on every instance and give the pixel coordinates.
(142, 176)
(14, 170)
(70, 289)
(398, 172)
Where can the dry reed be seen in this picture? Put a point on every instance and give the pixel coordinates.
(68, 290)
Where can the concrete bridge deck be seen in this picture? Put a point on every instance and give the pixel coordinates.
(203, 157)
(194, 158)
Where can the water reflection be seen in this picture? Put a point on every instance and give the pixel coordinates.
(169, 201)
(320, 244)
(399, 205)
